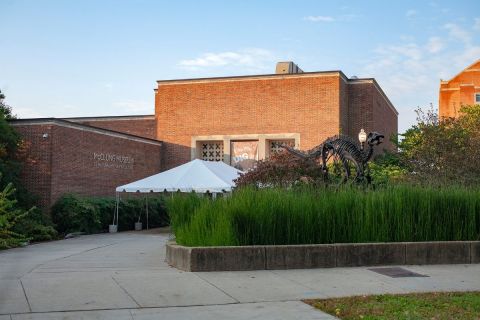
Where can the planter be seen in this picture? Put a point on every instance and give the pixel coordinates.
(321, 255)
(138, 226)
(112, 228)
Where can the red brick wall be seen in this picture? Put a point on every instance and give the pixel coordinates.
(368, 109)
(64, 162)
(385, 120)
(138, 127)
(344, 118)
(360, 97)
(305, 105)
(36, 154)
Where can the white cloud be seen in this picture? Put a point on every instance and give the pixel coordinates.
(319, 18)
(410, 71)
(253, 58)
(476, 25)
(457, 32)
(409, 50)
(435, 44)
(468, 56)
(343, 17)
(411, 13)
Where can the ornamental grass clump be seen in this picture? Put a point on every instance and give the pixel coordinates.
(309, 216)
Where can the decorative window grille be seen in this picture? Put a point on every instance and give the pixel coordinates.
(277, 145)
(212, 151)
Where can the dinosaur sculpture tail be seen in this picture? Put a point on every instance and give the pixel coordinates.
(296, 152)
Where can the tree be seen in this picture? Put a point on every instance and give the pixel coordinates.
(9, 215)
(443, 151)
(5, 109)
(282, 170)
(16, 226)
(9, 143)
(387, 168)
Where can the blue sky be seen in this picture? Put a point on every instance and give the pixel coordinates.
(90, 58)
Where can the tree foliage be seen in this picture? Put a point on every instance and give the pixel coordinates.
(10, 214)
(9, 143)
(387, 168)
(282, 170)
(5, 109)
(443, 151)
(16, 227)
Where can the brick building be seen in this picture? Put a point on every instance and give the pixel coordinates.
(233, 119)
(248, 117)
(141, 125)
(62, 156)
(463, 89)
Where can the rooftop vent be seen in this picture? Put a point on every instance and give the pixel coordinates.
(354, 77)
(287, 67)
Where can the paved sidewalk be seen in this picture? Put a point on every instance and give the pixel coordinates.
(124, 276)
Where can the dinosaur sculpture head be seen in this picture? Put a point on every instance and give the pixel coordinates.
(374, 138)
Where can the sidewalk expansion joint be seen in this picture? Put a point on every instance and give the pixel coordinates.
(143, 308)
(218, 288)
(71, 255)
(126, 292)
(26, 298)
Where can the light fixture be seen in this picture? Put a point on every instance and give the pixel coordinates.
(362, 137)
(45, 136)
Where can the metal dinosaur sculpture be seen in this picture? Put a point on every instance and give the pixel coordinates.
(345, 149)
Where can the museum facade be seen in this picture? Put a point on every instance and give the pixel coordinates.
(233, 119)
(238, 120)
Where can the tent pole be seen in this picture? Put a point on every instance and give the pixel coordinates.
(115, 215)
(115, 210)
(118, 204)
(146, 204)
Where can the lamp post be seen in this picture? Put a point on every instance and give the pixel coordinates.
(362, 137)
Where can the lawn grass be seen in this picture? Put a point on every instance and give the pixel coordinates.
(314, 216)
(438, 306)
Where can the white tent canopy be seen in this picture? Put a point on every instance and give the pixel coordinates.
(197, 175)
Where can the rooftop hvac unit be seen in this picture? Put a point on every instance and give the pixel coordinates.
(287, 67)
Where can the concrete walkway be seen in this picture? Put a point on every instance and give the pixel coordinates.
(124, 276)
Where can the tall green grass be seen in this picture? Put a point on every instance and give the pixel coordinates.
(306, 216)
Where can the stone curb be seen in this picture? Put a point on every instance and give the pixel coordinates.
(321, 255)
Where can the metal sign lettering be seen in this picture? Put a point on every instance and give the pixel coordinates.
(111, 160)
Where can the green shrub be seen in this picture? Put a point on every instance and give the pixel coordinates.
(308, 216)
(9, 216)
(37, 226)
(73, 213)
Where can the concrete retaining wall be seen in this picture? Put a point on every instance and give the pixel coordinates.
(321, 255)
